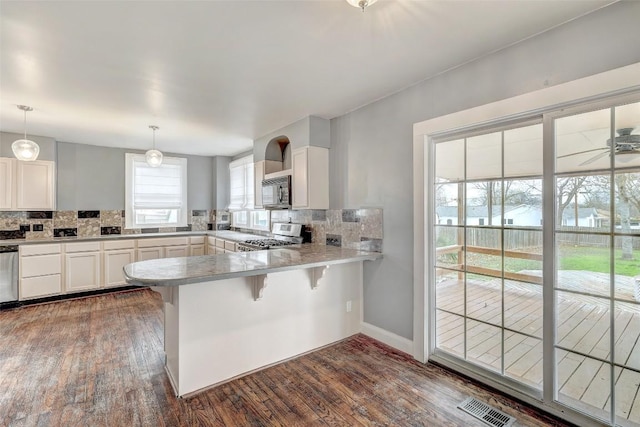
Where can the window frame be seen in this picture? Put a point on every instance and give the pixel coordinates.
(130, 217)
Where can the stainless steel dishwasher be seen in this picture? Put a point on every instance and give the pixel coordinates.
(8, 273)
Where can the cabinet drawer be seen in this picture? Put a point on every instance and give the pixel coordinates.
(230, 246)
(27, 250)
(163, 241)
(197, 240)
(118, 244)
(82, 247)
(40, 265)
(220, 243)
(40, 286)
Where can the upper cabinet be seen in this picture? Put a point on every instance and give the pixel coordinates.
(27, 185)
(6, 182)
(310, 178)
(258, 176)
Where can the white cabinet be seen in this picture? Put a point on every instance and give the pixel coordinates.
(6, 182)
(116, 255)
(197, 245)
(310, 178)
(258, 176)
(40, 270)
(82, 271)
(164, 247)
(145, 254)
(176, 251)
(27, 185)
(82, 266)
(35, 185)
(196, 250)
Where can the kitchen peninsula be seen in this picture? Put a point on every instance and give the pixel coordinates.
(230, 314)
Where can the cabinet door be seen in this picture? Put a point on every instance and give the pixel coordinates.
(82, 271)
(35, 187)
(211, 250)
(34, 287)
(176, 251)
(299, 178)
(258, 176)
(150, 253)
(114, 261)
(6, 182)
(195, 250)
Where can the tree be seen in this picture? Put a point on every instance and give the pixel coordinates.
(566, 192)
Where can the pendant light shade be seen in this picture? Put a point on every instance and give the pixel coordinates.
(153, 156)
(362, 4)
(25, 149)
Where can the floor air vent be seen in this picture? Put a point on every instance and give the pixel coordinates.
(486, 413)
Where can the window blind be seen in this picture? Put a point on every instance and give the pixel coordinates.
(241, 183)
(157, 188)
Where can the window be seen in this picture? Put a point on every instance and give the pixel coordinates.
(242, 196)
(155, 197)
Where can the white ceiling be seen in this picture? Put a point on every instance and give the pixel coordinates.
(215, 75)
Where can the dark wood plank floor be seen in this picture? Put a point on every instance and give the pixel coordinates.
(99, 362)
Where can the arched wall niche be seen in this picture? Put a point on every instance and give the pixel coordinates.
(279, 150)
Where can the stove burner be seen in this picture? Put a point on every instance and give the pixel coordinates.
(265, 243)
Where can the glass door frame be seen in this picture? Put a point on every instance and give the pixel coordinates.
(547, 398)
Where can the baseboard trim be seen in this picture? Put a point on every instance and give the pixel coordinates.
(389, 338)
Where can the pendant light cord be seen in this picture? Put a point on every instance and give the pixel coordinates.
(25, 124)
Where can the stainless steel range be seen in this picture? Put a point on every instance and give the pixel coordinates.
(282, 234)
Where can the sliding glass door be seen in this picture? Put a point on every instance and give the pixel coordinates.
(491, 244)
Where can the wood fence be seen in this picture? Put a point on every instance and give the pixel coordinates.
(525, 239)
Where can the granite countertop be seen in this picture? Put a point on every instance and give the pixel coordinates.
(223, 234)
(186, 270)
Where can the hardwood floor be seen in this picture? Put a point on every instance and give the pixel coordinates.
(99, 362)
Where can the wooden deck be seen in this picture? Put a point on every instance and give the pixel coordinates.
(583, 326)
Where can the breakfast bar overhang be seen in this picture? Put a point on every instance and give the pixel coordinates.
(230, 314)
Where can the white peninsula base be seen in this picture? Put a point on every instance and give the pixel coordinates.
(222, 329)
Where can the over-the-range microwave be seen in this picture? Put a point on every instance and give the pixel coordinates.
(276, 192)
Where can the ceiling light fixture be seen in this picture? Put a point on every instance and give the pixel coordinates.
(25, 149)
(362, 4)
(153, 156)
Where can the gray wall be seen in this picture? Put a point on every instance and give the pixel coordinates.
(93, 178)
(47, 145)
(220, 165)
(308, 131)
(371, 148)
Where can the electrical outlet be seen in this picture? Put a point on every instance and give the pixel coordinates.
(348, 306)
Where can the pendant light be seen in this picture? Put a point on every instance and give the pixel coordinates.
(153, 156)
(25, 149)
(362, 4)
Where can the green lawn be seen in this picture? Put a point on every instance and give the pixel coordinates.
(571, 258)
(597, 259)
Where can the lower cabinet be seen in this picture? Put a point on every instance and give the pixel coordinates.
(82, 271)
(40, 271)
(176, 251)
(114, 262)
(145, 254)
(53, 269)
(196, 250)
(41, 286)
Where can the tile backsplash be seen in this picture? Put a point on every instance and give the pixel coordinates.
(49, 224)
(349, 228)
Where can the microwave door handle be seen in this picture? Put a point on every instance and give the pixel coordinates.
(280, 195)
